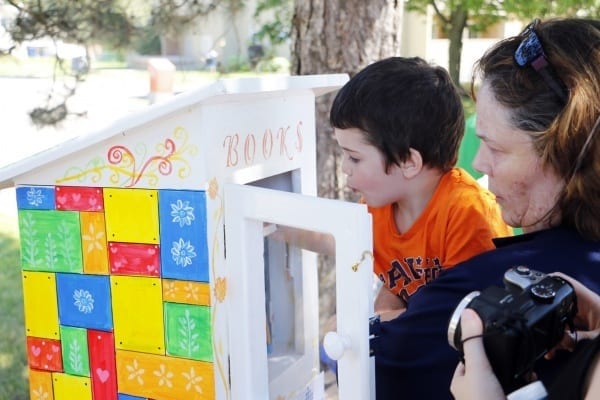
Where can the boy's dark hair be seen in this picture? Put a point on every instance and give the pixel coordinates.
(401, 103)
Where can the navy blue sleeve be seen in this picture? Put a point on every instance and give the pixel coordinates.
(413, 358)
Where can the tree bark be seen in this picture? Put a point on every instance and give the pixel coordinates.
(333, 36)
(458, 23)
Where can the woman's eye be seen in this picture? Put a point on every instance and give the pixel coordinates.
(353, 159)
(494, 150)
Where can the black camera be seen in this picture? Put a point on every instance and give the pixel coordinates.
(521, 322)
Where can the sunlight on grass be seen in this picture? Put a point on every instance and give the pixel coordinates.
(6, 360)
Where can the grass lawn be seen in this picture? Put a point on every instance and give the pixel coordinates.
(13, 362)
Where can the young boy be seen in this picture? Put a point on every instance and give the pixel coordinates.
(399, 122)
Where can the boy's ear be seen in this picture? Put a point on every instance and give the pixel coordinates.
(413, 164)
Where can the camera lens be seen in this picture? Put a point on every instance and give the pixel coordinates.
(454, 335)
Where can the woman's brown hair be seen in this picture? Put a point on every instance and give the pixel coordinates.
(564, 131)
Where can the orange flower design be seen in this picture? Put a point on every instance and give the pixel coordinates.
(220, 289)
(213, 188)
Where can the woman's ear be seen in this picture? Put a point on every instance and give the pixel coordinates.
(412, 165)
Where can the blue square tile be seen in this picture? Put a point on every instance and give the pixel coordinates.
(84, 301)
(183, 239)
(35, 198)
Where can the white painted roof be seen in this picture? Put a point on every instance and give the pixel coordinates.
(222, 90)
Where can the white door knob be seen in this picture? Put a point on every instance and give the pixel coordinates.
(335, 344)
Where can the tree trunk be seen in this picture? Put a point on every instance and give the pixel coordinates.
(332, 36)
(458, 22)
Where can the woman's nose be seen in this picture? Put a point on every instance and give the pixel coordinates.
(479, 162)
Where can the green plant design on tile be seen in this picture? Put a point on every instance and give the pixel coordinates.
(75, 345)
(75, 359)
(29, 246)
(50, 240)
(188, 341)
(188, 332)
(69, 241)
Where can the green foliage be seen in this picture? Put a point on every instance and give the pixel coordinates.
(236, 64)
(527, 10)
(273, 65)
(147, 42)
(171, 16)
(483, 13)
(13, 361)
(454, 16)
(276, 27)
(101, 21)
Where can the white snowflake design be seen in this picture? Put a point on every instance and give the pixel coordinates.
(83, 301)
(35, 197)
(183, 252)
(182, 213)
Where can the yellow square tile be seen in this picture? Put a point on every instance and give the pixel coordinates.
(131, 215)
(41, 304)
(138, 313)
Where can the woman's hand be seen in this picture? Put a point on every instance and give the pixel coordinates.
(475, 378)
(587, 320)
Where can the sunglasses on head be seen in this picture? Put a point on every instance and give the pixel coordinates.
(530, 53)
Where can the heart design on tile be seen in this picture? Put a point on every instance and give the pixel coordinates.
(61, 199)
(92, 201)
(55, 348)
(76, 197)
(102, 374)
(151, 251)
(35, 351)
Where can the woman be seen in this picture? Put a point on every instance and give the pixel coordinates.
(538, 111)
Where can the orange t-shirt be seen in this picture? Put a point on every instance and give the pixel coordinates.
(459, 222)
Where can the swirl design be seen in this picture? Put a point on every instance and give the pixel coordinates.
(124, 167)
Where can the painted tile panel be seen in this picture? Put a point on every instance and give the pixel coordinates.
(103, 364)
(138, 313)
(188, 332)
(187, 292)
(134, 259)
(40, 385)
(164, 378)
(44, 354)
(79, 198)
(41, 304)
(50, 241)
(93, 242)
(84, 301)
(35, 197)
(101, 269)
(184, 250)
(75, 351)
(131, 215)
(71, 387)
